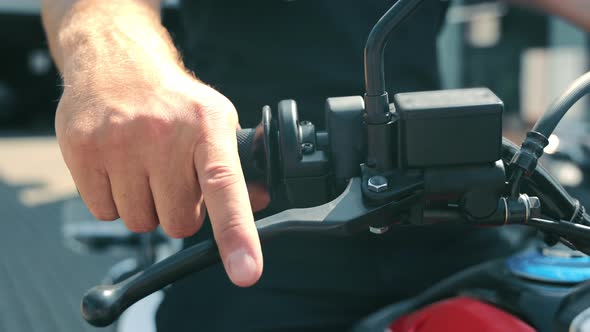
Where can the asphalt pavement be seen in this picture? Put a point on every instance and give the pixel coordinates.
(41, 279)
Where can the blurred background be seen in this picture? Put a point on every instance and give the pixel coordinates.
(525, 57)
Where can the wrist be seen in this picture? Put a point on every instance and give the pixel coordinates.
(105, 38)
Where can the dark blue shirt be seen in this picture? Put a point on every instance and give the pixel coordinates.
(259, 52)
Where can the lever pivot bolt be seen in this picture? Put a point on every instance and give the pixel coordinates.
(378, 183)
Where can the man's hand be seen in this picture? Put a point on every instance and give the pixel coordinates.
(144, 140)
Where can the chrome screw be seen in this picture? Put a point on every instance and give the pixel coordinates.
(378, 230)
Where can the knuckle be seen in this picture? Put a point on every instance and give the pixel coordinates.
(231, 230)
(156, 127)
(201, 109)
(124, 130)
(116, 130)
(220, 176)
(86, 130)
(214, 111)
(207, 119)
(183, 225)
(81, 137)
(178, 231)
(138, 221)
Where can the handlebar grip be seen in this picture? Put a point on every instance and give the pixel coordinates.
(102, 305)
(250, 150)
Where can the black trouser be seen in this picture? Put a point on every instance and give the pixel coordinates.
(313, 283)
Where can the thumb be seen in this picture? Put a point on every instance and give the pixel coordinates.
(226, 197)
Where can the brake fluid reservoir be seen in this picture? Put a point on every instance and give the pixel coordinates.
(552, 265)
(449, 127)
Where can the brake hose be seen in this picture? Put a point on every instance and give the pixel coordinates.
(557, 202)
(562, 105)
(537, 139)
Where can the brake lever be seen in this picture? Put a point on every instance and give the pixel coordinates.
(346, 214)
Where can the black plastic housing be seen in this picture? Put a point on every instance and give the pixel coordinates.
(303, 171)
(344, 121)
(449, 127)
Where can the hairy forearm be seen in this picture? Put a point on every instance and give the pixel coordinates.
(93, 34)
(575, 11)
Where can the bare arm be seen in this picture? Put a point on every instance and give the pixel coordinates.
(98, 26)
(575, 11)
(143, 139)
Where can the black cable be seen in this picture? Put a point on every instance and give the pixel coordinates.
(550, 119)
(562, 227)
(537, 139)
(557, 202)
(567, 243)
(575, 236)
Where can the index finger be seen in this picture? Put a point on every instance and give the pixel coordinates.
(226, 197)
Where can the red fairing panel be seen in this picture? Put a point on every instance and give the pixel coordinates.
(460, 314)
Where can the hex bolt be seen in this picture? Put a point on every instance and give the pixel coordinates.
(378, 230)
(377, 183)
(535, 206)
(307, 148)
(535, 202)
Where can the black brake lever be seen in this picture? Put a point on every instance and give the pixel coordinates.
(346, 214)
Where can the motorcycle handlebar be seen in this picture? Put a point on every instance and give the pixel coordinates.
(248, 145)
(102, 305)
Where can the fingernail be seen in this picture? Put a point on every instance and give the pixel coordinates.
(241, 268)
